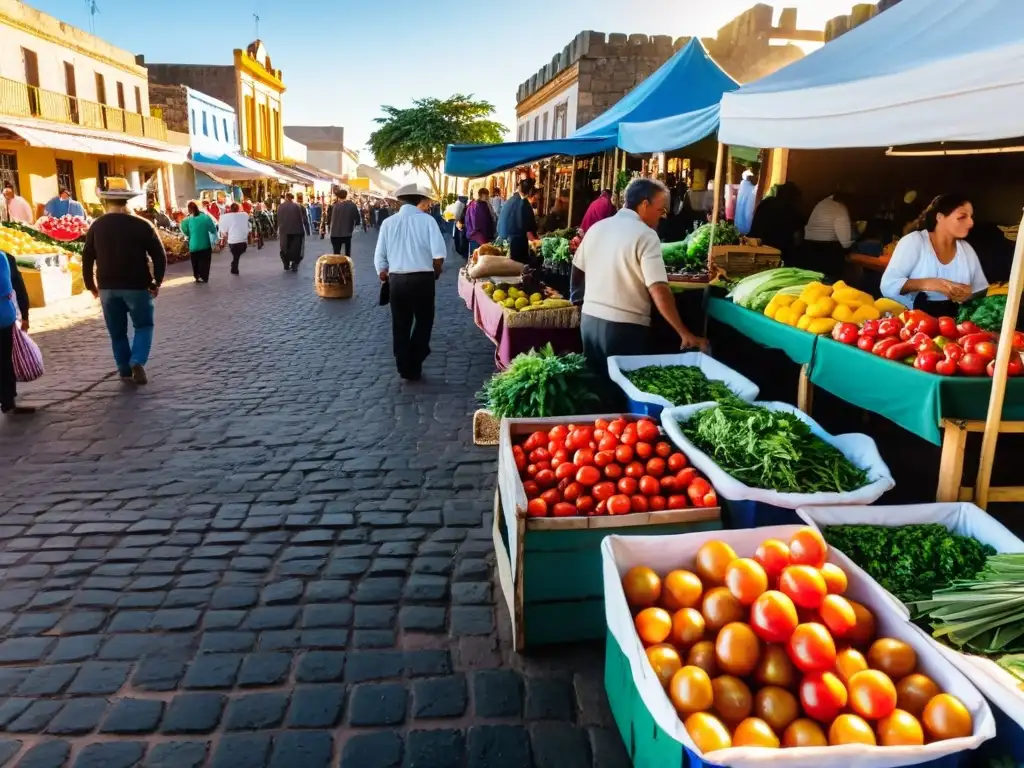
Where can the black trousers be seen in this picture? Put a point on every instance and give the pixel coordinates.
(412, 320)
(291, 249)
(337, 242)
(201, 263)
(237, 249)
(8, 384)
(603, 339)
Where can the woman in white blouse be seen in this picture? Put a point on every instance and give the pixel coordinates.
(934, 269)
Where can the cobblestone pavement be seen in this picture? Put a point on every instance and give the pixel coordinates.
(276, 554)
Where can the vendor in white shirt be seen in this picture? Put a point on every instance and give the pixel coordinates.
(934, 269)
(234, 227)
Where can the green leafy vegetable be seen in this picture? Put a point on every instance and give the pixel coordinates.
(700, 240)
(749, 291)
(910, 561)
(541, 383)
(555, 249)
(772, 450)
(679, 384)
(677, 255)
(985, 312)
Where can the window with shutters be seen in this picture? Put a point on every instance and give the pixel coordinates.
(9, 171)
(66, 177)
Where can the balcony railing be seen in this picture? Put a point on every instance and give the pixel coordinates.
(21, 100)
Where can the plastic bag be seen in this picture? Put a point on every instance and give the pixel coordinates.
(494, 266)
(28, 359)
(740, 385)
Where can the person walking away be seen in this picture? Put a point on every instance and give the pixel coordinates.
(63, 205)
(201, 231)
(746, 199)
(496, 203)
(459, 227)
(409, 257)
(366, 215)
(778, 222)
(18, 208)
(480, 221)
(234, 227)
(618, 272)
(11, 285)
(316, 210)
(518, 223)
(292, 228)
(827, 236)
(344, 218)
(602, 208)
(119, 247)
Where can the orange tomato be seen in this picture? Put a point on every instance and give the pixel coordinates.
(665, 661)
(808, 547)
(864, 632)
(775, 668)
(654, 625)
(746, 579)
(900, 729)
(703, 655)
(776, 706)
(850, 729)
(690, 690)
(754, 732)
(773, 617)
(804, 733)
(914, 692)
(849, 662)
(823, 696)
(733, 699)
(946, 717)
(835, 578)
(838, 615)
(892, 656)
(719, 608)
(687, 627)
(872, 694)
(773, 555)
(642, 587)
(737, 649)
(712, 560)
(681, 589)
(804, 585)
(707, 732)
(812, 648)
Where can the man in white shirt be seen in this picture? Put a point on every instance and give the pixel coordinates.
(496, 202)
(828, 235)
(18, 208)
(618, 271)
(234, 227)
(409, 257)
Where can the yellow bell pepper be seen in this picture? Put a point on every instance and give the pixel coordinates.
(838, 286)
(785, 316)
(853, 296)
(869, 312)
(804, 322)
(799, 307)
(771, 310)
(894, 308)
(783, 300)
(822, 325)
(843, 313)
(823, 307)
(814, 291)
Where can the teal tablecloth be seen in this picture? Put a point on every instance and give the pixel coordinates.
(798, 345)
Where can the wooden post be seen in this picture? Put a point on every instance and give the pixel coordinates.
(995, 404)
(572, 191)
(716, 205)
(951, 466)
(805, 391)
(548, 184)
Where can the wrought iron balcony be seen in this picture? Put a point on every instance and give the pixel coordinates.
(22, 100)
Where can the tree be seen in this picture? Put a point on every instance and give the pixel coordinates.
(420, 135)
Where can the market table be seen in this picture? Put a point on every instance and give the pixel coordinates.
(509, 342)
(467, 290)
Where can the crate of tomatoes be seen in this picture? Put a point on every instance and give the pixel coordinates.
(563, 484)
(756, 649)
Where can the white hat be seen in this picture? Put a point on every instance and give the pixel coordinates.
(413, 190)
(748, 174)
(117, 188)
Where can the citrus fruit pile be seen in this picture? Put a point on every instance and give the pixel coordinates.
(614, 467)
(765, 651)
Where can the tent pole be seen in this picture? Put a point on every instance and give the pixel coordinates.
(548, 203)
(716, 205)
(995, 403)
(572, 191)
(612, 177)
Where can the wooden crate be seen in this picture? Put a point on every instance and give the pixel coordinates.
(738, 261)
(550, 568)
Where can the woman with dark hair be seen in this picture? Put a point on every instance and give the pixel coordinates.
(934, 268)
(201, 231)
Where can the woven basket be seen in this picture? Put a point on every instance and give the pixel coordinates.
(486, 428)
(563, 317)
(333, 278)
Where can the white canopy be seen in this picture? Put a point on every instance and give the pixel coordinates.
(922, 71)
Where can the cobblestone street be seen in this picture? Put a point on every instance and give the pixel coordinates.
(276, 554)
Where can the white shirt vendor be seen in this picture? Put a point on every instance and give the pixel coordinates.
(915, 259)
(409, 241)
(235, 226)
(829, 223)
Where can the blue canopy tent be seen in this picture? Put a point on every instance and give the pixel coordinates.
(688, 82)
(670, 132)
(230, 167)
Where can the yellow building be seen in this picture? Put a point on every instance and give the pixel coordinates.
(73, 110)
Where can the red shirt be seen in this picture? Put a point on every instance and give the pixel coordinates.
(599, 210)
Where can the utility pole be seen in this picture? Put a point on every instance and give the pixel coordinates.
(256, 18)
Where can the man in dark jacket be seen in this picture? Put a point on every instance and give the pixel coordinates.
(292, 228)
(345, 217)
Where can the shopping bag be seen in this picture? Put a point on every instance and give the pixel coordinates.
(385, 293)
(28, 359)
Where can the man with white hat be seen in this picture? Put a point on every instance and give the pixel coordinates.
(409, 257)
(746, 197)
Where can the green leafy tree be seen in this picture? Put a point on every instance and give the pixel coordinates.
(419, 135)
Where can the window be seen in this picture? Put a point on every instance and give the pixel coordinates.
(9, 170)
(206, 130)
(561, 120)
(224, 123)
(120, 95)
(66, 177)
(216, 131)
(536, 127)
(138, 100)
(102, 171)
(31, 62)
(71, 89)
(545, 126)
(101, 89)
(234, 132)
(193, 122)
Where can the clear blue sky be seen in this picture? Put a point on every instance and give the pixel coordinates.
(343, 59)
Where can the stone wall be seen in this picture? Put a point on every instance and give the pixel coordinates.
(212, 79)
(172, 101)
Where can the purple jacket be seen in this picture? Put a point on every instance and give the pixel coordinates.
(479, 222)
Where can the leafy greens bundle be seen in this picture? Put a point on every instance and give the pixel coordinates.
(679, 384)
(541, 383)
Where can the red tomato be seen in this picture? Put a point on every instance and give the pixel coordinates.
(520, 457)
(711, 499)
(804, 584)
(676, 462)
(540, 454)
(656, 467)
(647, 430)
(603, 491)
(546, 478)
(608, 443)
(619, 505)
(583, 457)
(564, 509)
(585, 505)
(643, 450)
(602, 508)
(629, 436)
(823, 696)
(838, 615)
(561, 454)
(617, 427)
(808, 547)
(551, 497)
(684, 477)
(628, 486)
(697, 490)
(773, 556)
(543, 465)
(531, 488)
(811, 648)
(534, 441)
(601, 424)
(636, 469)
(554, 445)
(563, 484)
(657, 503)
(663, 449)
(677, 501)
(613, 471)
(773, 617)
(558, 433)
(537, 508)
(572, 492)
(587, 476)
(604, 458)
(668, 484)
(563, 471)
(639, 504)
(624, 454)
(649, 486)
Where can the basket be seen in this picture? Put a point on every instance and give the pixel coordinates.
(739, 261)
(486, 428)
(562, 317)
(333, 277)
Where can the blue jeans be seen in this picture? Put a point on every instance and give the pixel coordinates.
(118, 305)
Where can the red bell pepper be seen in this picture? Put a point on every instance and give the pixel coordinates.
(867, 343)
(883, 344)
(889, 327)
(953, 351)
(899, 351)
(947, 328)
(972, 365)
(946, 367)
(967, 327)
(905, 333)
(1018, 340)
(986, 349)
(922, 322)
(869, 328)
(970, 340)
(1015, 367)
(922, 342)
(845, 333)
(927, 361)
